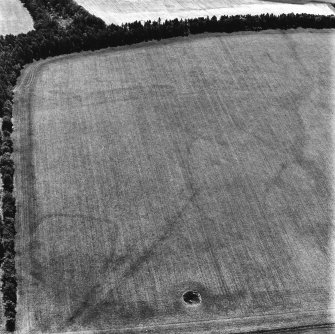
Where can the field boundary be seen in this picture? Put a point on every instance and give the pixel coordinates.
(86, 32)
(26, 84)
(153, 43)
(231, 326)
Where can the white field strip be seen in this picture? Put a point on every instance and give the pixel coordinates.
(119, 12)
(332, 232)
(14, 18)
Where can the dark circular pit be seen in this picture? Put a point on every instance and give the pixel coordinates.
(192, 298)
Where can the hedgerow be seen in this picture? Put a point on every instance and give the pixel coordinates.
(6, 146)
(7, 230)
(63, 27)
(7, 109)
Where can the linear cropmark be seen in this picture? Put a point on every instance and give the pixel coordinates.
(176, 184)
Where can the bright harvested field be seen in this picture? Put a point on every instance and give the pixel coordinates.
(122, 11)
(198, 163)
(14, 18)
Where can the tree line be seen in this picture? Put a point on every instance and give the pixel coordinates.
(84, 31)
(7, 224)
(63, 27)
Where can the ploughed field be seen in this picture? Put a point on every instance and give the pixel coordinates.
(122, 11)
(196, 164)
(14, 18)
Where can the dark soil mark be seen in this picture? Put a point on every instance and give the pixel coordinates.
(192, 297)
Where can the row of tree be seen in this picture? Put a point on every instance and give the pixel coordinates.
(85, 32)
(7, 223)
(48, 39)
(63, 27)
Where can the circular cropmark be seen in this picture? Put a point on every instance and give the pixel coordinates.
(192, 298)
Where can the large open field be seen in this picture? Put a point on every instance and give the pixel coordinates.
(14, 18)
(122, 11)
(201, 163)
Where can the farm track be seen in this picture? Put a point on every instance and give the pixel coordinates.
(30, 213)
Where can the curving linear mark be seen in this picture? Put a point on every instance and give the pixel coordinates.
(133, 265)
